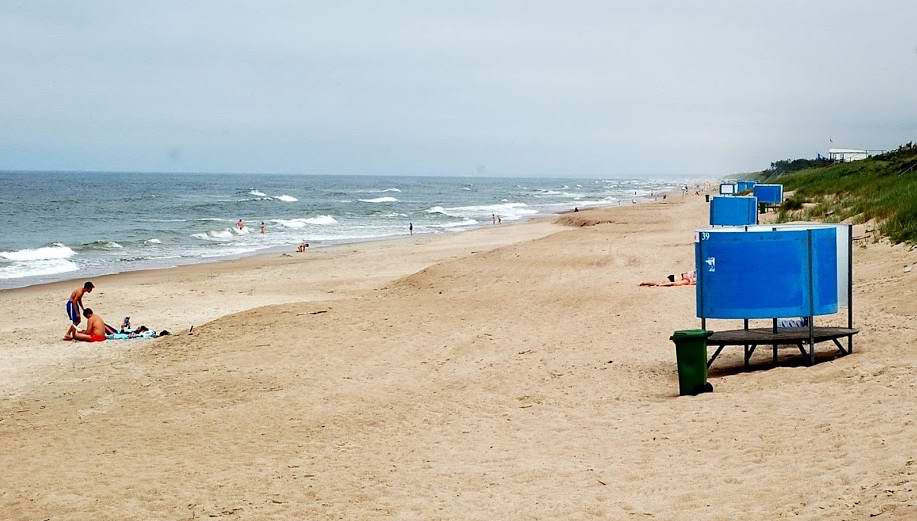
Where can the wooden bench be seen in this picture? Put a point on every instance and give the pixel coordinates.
(796, 336)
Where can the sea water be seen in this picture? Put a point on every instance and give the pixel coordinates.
(64, 225)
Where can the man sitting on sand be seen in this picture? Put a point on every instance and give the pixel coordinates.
(94, 332)
(685, 279)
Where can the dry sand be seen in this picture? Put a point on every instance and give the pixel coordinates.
(530, 380)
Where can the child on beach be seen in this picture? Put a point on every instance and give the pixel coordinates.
(75, 302)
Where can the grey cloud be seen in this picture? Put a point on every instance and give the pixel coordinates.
(527, 88)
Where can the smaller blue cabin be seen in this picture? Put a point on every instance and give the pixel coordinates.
(733, 211)
(769, 194)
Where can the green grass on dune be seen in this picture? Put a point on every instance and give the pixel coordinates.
(882, 188)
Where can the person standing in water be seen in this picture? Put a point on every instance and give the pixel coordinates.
(240, 224)
(493, 218)
(411, 228)
(263, 229)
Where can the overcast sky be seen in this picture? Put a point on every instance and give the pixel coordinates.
(453, 88)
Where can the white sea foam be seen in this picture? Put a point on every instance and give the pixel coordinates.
(257, 193)
(391, 190)
(380, 200)
(320, 220)
(286, 198)
(464, 222)
(213, 219)
(216, 235)
(55, 251)
(37, 268)
(153, 241)
(506, 211)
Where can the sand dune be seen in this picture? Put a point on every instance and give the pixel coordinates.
(528, 380)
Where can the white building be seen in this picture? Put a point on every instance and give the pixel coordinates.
(847, 154)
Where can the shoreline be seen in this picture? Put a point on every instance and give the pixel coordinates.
(274, 250)
(267, 254)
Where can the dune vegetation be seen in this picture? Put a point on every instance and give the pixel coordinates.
(882, 189)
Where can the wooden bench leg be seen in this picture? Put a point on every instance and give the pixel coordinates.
(715, 354)
(840, 347)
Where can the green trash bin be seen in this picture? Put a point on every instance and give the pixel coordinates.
(691, 353)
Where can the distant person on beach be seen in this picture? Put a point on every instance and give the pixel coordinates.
(499, 220)
(240, 224)
(94, 332)
(411, 228)
(493, 218)
(685, 279)
(263, 228)
(302, 247)
(75, 302)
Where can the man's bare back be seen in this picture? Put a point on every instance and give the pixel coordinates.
(94, 332)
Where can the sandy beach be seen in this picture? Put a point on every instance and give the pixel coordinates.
(510, 372)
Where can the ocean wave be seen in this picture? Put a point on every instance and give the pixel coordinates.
(55, 251)
(286, 198)
(391, 190)
(101, 245)
(216, 235)
(464, 222)
(506, 211)
(37, 268)
(380, 200)
(320, 220)
(257, 193)
(213, 219)
(153, 241)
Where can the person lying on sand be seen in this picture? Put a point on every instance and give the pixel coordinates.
(94, 332)
(685, 279)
